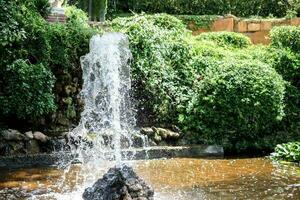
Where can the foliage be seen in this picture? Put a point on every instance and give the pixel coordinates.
(286, 61)
(236, 40)
(286, 37)
(294, 8)
(9, 26)
(160, 66)
(44, 46)
(287, 152)
(68, 42)
(28, 90)
(216, 93)
(235, 101)
(241, 8)
(199, 21)
(97, 9)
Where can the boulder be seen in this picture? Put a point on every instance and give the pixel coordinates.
(11, 134)
(15, 148)
(29, 135)
(119, 183)
(32, 147)
(40, 136)
(147, 131)
(166, 133)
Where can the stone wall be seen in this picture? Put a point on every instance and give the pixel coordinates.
(257, 29)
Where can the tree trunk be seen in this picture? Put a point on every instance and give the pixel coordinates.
(90, 10)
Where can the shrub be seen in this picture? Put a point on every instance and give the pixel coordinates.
(287, 64)
(44, 46)
(161, 71)
(236, 40)
(216, 94)
(27, 90)
(67, 43)
(10, 29)
(285, 58)
(286, 37)
(288, 152)
(294, 8)
(240, 8)
(235, 102)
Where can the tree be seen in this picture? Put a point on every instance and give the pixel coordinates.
(101, 9)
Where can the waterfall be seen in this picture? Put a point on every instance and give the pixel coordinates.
(107, 119)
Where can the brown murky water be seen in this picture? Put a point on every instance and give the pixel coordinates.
(182, 179)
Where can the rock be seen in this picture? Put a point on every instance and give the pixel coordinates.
(157, 138)
(29, 135)
(40, 136)
(15, 148)
(11, 134)
(147, 131)
(119, 183)
(63, 120)
(32, 147)
(139, 140)
(152, 143)
(166, 133)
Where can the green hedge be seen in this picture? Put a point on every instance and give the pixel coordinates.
(241, 8)
(286, 37)
(236, 40)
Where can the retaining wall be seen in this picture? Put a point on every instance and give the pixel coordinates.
(257, 29)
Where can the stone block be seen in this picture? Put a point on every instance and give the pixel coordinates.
(295, 21)
(223, 25)
(241, 27)
(252, 27)
(266, 25)
(281, 22)
(260, 37)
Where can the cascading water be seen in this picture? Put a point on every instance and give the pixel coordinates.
(107, 119)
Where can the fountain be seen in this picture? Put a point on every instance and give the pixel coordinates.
(107, 121)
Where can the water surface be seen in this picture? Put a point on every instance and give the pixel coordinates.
(182, 179)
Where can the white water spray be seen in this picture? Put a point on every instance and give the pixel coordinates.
(107, 119)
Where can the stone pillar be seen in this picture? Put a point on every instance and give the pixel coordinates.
(57, 12)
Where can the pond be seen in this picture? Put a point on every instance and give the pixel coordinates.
(180, 178)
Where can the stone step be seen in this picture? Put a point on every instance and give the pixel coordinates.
(63, 158)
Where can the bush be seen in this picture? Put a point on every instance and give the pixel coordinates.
(44, 46)
(161, 71)
(287, 64)
(236, 40)
(215, 94)
(235, 102)
(27, 90)
(287, 152)
(286, 37)
(285, 58)
(241, 8)
(294, 8)
(68, 42)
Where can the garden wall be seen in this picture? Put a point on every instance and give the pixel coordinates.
(257, 29)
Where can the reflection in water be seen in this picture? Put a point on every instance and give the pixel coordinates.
(184, 179)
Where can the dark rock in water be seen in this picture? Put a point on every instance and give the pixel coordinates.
(11, 134)
(119, 183)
